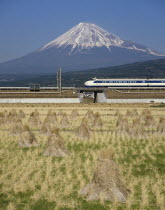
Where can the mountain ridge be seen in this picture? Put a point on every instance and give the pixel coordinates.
(84, 46)
(147, 69)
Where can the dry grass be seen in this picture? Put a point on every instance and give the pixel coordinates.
(30, 180)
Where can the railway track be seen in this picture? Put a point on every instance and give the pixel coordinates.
(72, 88)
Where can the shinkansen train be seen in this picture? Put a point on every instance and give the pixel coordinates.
(125, 83)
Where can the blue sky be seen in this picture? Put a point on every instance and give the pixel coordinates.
(26, 25)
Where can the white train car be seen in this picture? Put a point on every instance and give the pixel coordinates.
(123, 83)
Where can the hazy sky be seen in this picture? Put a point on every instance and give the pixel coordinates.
(26, 25)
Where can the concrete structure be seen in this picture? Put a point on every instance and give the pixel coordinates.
(39, 100)
(101, 98)
(97, 94)
(136, 100)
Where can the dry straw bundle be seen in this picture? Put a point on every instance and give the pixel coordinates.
(136, 122)
(147, 118)
(84, 121)
(17, 128)
(5, 113)
(117, 113)
(55, 145)
(64, 123)
(51, 113)
(74, 114)
(60, 113)
(2, 114)
(97, 122)
(12, 113)
(128, 113)
(135, 112)
(46, 127)
(27, 138)
(2, 121)
(150, 121)
(161, 125)
(162, 120)
(14, 120)
(122, 124)
(21, 114)
(36, 113)
(83, 132)
(51, 119)
(34, 120)
(12, 117)
(2, 118)
(146, 112)
(106, 183)
(131, 113)
(90, 115)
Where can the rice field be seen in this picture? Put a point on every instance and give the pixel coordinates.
(38, 172)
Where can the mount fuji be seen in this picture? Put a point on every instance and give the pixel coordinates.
(85, 46)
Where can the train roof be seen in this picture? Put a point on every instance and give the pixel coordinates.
(126, 79)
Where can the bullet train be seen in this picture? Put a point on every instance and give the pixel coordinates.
(126, 83)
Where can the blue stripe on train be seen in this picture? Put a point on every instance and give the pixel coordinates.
(129, 86)
(134, 81)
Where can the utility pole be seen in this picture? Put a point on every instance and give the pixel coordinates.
(57, 80)
(60, 81)
(59, 84)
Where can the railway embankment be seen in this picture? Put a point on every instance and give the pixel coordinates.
(39, 100)
(73, 96)
(136, 94)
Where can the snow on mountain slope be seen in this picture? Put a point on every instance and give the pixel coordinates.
(88, 35)
(85, 35)
(85, 46)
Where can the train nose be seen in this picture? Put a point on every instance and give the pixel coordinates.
(86, 83)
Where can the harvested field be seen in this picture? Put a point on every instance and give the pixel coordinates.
(82, 156)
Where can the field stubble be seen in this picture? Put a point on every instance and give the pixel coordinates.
(31, 180)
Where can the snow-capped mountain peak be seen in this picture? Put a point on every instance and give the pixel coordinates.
(88, 35)
(85, 35)
(85, 46)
